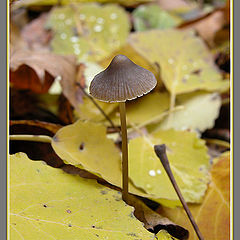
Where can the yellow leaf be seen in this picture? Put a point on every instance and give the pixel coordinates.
(85, 145)
(213, 215)
(88, 111)
(145, 109)
(164, 235)
(101, 29)
(188, 159)
(47, 203)
(200, 110)
(186, 64)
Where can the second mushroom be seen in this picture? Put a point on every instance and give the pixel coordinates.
(122, 80)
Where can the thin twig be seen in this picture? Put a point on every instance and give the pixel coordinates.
(96, 104)
(160, 151)
(33, 138)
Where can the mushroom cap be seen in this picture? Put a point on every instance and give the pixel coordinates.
(122, 80)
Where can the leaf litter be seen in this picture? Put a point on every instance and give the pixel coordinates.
(188, 100)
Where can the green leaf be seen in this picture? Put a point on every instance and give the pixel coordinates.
(90, 31)
(154, 17)
(200, 110)
(186, 64)
(188, 159)
(47, 203)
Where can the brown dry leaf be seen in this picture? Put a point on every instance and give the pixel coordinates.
(213, 215)
(36, 70)
(65, 110)
(155, 222)
(16, 41)
(70, 88)
(170, 5)
(51, 127)
(207, 26)
(35, 150)
(41, 36)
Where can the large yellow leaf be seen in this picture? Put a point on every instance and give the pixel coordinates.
(90, 31)
(145, 109)
(85, 145)
(213, 215)
(88, 111)
(188, 159)
(186, 64)
(200, 110)
(47, 203)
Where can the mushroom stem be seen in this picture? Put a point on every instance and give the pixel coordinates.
(124, 151)
(160, 151)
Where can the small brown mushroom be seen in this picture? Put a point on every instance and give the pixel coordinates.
(122, 80)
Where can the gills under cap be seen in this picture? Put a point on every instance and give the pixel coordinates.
(122, 80)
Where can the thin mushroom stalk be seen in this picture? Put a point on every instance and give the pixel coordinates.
(122, 80)
(160, 151)
(122, 109)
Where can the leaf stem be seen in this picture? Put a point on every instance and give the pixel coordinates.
(160, 151)
(33, 138)
(122, 109)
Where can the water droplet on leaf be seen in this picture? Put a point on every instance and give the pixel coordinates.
(152, 173)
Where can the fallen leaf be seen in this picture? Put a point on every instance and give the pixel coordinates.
(65, 110)
(207, 26)
(188, 159)
(200, 110)
(147, 17)
(90, 31)
(213, 215)
(35, 150)
(77, 144)
(186, 64)
(41, 36)
(26, 105)
(51, 127)
(164, 235)
(145, 109)
(154, 222)
(16, 41)
(36, 70)
(88, 111)
(66, 206)
(170, 5)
